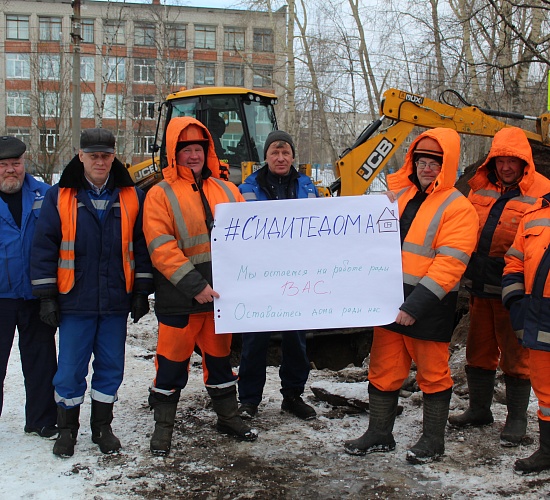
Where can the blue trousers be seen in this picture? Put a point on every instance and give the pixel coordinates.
(80, 336)
(293, 372)
(38, 358)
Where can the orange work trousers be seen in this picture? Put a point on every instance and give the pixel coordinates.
(176, 345)
(390, 362)
(491, 338)
(539, 363)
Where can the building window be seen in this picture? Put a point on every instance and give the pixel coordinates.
(87, 68)
(144, 34)
(205, 37)
(23, 134)
(175, 36)
(142, 144)
(87, 102)
(175, 73)
(114, 32)
(48, 140)
(205, 74)
(48, 104)
(114, 106)
(87, 30)
(18, 66)
(17, 27)
(49, 67)
(114, 69)
(233, 38)
(50, 28)
(141, 106)
(144, 70)
(19, 104)
(263, 40)
(233, 75)
(263, 76)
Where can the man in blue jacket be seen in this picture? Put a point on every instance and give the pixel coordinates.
(90, 268)
(21, 197)
(276, 180)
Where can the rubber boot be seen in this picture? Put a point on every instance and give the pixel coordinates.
(100, 422)
(224, 402)
(481, 384)
(382, 413)
(431, 444)
(68, 425)
(540, 460)
(518, 392)
(164, 408)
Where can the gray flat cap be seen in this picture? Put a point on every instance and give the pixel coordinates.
(11, 147)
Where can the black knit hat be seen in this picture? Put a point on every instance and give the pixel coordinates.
(276, 136)
(11, 147)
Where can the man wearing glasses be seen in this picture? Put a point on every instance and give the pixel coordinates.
(437, 240)
(503, 188)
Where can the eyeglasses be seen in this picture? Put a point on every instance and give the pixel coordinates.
(422, 165)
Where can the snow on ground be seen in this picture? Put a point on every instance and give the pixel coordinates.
(291, 459)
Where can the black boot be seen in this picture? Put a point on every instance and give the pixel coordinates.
(382, 413)
(224, 402)
(518, 392)
(481, 384)
(431, 444)
(68, 425)
(540, 460)
(293, 403)
(164, 408)
(100, 422)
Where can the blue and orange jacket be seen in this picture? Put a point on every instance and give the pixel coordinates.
(438, 244)
(526, 280)
(108, 260)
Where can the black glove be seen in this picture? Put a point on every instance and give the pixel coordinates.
(49, 312)
(140, 306)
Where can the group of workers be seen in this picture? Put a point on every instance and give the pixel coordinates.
(82, 255)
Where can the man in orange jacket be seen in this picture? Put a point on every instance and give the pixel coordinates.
(178, 218)
(503, 188)
(436, 244)
(526, 292)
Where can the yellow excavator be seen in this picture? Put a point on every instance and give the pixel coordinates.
(240, 119)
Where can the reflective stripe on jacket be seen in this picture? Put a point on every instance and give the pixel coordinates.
(500, 210)
(175, 227)
(526, 280)
(438, 244)
(67, 205)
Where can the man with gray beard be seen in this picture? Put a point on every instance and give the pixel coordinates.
(21, 197)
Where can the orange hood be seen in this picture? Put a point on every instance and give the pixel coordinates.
(173, 132)
(449, 140)
(510, 141)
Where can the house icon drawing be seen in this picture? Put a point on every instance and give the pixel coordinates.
(387, 222)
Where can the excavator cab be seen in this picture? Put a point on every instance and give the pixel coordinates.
(238, 119)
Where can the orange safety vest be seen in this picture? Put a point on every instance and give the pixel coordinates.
(67, 205)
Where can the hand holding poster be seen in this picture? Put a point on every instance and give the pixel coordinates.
(306, 264)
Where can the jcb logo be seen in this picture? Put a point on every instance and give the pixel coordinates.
(414, 98)
(145, 172)
(375, 159)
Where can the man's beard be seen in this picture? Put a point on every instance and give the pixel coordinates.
(11, 185)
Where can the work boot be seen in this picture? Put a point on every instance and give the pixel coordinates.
(100, 422)
(294, 404)
(540, 460)
(518, 392)
(481, 384)
(224, 402)
(68, 425)
(431, 444)
(382, 413)
(47, 432)
(247, 411)
(164, 407)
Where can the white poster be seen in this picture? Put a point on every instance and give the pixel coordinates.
(306, 264)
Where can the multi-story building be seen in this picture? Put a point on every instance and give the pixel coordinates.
(131, 56)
